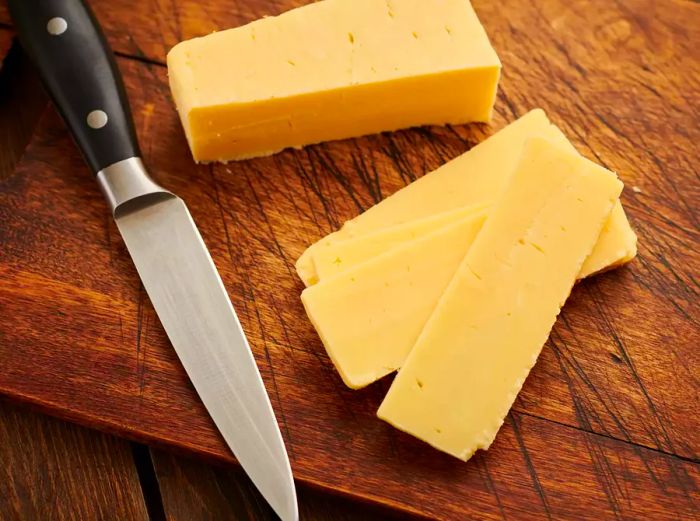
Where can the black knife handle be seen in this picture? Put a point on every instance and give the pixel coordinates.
(66, 44)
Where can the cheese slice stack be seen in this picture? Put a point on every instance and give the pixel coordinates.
(476, 177)
(471, 359)
(330, 70)
(378, 287)
(369, 315)
(338, 256)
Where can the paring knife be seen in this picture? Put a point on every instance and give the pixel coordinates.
(65, 42)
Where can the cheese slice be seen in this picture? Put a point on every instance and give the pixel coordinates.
(336, 257)
(331, 70)
(369, 316)
(475, 177)
(471, 359)
(617, 245)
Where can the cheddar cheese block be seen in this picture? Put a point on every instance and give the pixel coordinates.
(338, 256)
(369, 316)
(471, 359)
(476, 177)
(331, 70)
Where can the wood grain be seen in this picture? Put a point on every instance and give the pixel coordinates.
(54, 470)
(609, 413)
(192, 490)
(22, 101)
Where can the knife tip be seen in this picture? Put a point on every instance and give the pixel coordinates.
(293, 514)
(289, 511)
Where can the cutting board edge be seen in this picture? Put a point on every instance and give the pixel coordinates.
(124, 432)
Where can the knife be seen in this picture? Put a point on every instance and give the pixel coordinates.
(78, 69)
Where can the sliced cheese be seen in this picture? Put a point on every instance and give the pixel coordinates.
(370, 315)
(617, 244)
(475, 177)
(331, 70)
(471, 359)
(338, 256)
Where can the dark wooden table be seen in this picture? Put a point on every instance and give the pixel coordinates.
(52, 470)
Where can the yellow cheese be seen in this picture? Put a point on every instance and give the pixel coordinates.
(370, 315)
(338, 256)
(475, 177)
(616, 245)
(472, 357)
(331, 70)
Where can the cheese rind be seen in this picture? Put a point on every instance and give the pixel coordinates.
(471, 359)
(477, 176)
(336, 257)
(329, 70)
(370, 315)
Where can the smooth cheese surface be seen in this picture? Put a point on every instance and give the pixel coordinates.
(471, 359)
(338, 256)
(475, 177)
(332, 69)
(369, 316)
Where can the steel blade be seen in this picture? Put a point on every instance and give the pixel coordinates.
(193, 306)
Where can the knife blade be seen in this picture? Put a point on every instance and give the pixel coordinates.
(78, 69)
(194, 308)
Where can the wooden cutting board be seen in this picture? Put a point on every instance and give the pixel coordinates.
(606, 425)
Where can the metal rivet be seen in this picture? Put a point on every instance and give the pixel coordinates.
(97, 119)
(57, 26)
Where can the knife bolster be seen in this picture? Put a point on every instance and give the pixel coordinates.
(125, 184)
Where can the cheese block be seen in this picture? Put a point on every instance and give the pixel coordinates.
(471, 359)
(476, 177)
(338, 256)
(331, 70)
(369, 316)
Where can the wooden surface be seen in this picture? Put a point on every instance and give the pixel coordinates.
(50, 469)
(607, 423)
(34, 484)
(54, 470)
(171, 487)
(57, 471)
(22, 102)
(193, 491)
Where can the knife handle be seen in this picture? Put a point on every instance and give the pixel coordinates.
(65, 42)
